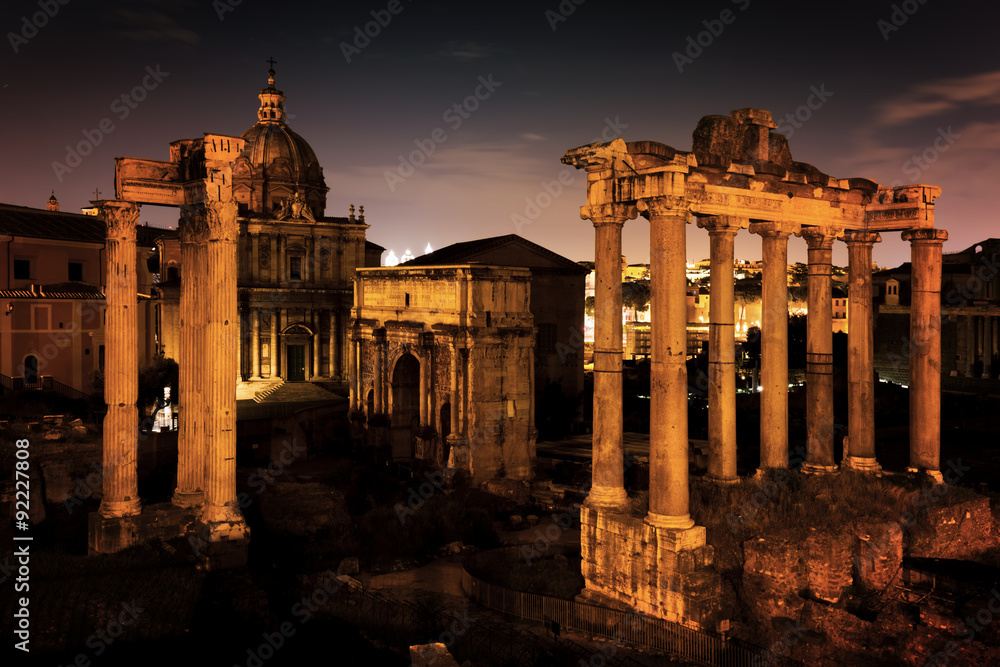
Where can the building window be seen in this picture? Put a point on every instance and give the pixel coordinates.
(546, 338)
(22, 269)
(172, 273)
(76, 271)
(295, 268)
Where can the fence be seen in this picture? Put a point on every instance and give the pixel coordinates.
(677, 640)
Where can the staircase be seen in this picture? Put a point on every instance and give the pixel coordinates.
(297, 392)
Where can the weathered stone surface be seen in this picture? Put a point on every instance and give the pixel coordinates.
(432, 655)
(963, 531)
(878, 557)
(828, 564)
(349, 566)
(303, 509)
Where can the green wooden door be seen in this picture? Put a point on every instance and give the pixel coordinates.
(296, 363)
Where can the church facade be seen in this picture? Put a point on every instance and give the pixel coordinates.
(295, 264)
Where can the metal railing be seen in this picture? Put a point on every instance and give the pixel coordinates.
(675, 639)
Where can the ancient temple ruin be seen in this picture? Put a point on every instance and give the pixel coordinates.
(739, 174)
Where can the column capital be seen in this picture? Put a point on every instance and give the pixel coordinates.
(120, 217)
(193, 224)
(221, 218)
(604, 214)
(927, 235)
(861, 237)
(663, 205)
(819, 237)
(772, 229)
(722, 224)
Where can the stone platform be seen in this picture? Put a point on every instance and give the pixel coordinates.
(164, 521)
(663, 572)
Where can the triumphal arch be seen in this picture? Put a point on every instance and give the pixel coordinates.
(738, 175)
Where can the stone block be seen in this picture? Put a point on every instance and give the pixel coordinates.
(108, 535)
(828, 565)
(878, 557)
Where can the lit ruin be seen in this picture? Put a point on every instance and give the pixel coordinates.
(738, 175)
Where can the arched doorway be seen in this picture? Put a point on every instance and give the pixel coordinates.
(30, 370)
(404, 411)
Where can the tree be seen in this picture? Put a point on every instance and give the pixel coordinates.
(588, 305)
(635, 295)
(744, 292)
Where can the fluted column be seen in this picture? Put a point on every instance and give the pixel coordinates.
(315, 323)
(273, 345)
(121, 364)
(255, 343)
(608, 488)
(378, 384)
(925, 349)
(220, 340)
(819, 352)
(254, 257)
(280, 243)
(721, 347)
(859, 453)
(425, 376)
(352, 377)
(774, 344)
(453, 425)
(669, 503)
(192, 376)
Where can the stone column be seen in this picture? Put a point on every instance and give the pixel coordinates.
(970, 344)
(352, 377)
(378, 384)
(332, 345)
(121, 363)
(254, 257)
(987, 345)
(280, 243)
(819, 352)
(925, 350)
(274, 349)
(608, 488)
(721, 348)
(453, 425)
(425, 383)
(315, 321)
(191, 439)
(255, 343)
(774, 344)
(860, 354)
(669, 504)
(221, 511)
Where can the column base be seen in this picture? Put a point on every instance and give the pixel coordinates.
(726, 481)
(607, 497)
(120, 508)
(679, 523)
(223, 543)
(188, 499)
(818, 469)
(863, 464)
(933, 474)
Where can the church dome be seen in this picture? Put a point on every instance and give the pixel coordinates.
(276, 162)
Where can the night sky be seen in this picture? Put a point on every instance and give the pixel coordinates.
(558, 80)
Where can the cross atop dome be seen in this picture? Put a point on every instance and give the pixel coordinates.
(272, 100)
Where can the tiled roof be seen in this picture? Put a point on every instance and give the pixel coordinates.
(41, 224)
(459, 253)
(71, 290)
